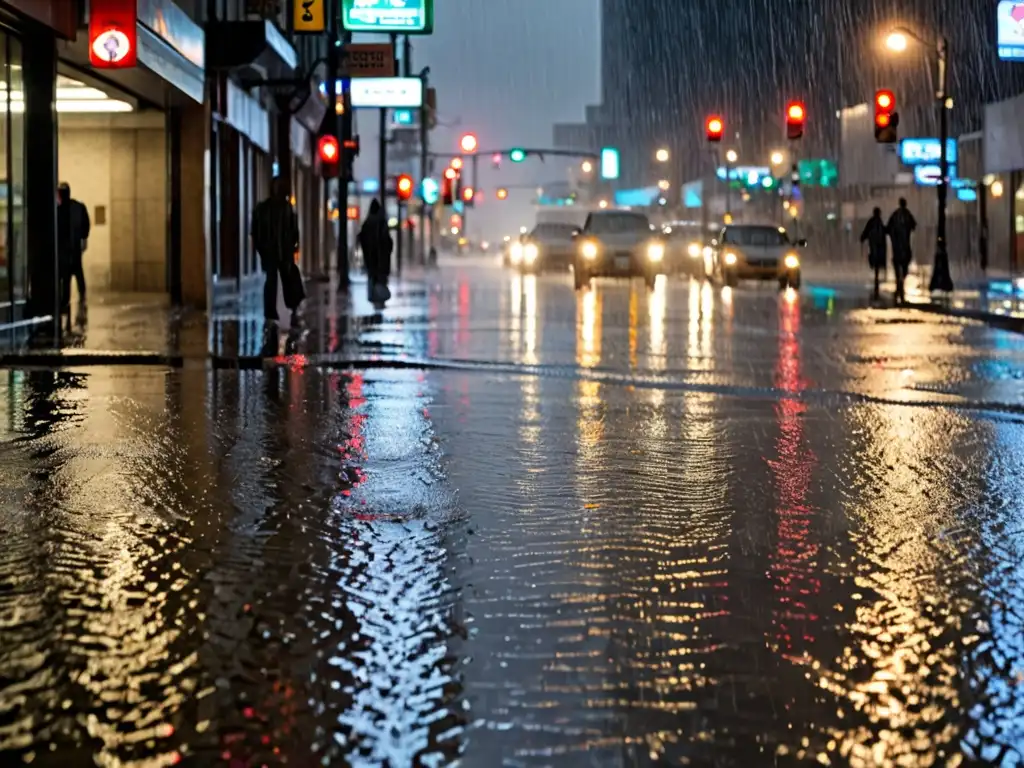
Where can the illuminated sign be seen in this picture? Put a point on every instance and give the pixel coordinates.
(309, 16)
(112, 34)
(928, 175)
(609, 163)
(407, 17)
(387, 92)
(1010, 30)
(926, 151)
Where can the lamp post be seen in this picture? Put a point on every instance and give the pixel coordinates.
(898, 41)
(730, 160)
(661, 155)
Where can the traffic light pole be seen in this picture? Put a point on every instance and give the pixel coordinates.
(345, 135)
(424, 169)
(941, 279)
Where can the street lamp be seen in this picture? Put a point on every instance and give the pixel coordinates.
(777, 158)
(587, 166)
(898, 40)
(731, 156)
(663, 185)
(661, 155)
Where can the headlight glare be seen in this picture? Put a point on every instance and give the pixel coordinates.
(730, 258)
(655, 251)
(516, 253)
(589, 250)
(791, 261)
(530, 253)
(694, 250)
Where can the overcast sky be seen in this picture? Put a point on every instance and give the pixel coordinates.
(505, 70)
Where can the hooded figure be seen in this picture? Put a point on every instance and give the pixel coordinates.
(900, 227)
(376, 244)
(72, 233)
(874, 235)
(275, 234)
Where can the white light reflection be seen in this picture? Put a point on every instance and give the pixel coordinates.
(516, 313)
(701, 317)
(529, 356)
(656, 306)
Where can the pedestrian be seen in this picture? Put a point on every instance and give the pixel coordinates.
(275, 234)
(900, 227)
(874, 236)
(72, 239)
(376, 244)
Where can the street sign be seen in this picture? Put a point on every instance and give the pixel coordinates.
(929, 175)
(369, 60)
(1010, 30)
(403, 117)
(819, 172)
(405, 17)
(387, 92)
(309, 16)
(609, 163)
(918, 151)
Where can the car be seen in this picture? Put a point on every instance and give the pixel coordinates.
(756, 252)
(550, 246)
(618, 244)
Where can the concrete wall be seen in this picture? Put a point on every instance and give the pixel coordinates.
(117, 166)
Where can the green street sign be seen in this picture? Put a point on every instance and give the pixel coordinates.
(405, 17)
(818, 173)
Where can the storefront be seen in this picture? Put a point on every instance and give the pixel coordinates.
(1003, 187)
(28, 33)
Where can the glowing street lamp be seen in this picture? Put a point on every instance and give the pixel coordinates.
(468, 143)
(587, 166)
(663, 185)
(731, 156)
(662, 155)
(897, 41)
(778, 158)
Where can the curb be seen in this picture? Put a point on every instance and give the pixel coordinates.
(1002, 322)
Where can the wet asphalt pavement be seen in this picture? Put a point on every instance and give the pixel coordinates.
(693, 526)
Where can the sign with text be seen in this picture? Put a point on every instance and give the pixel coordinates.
(918, 151)
(309, 16)
(387, 92)
(609, 163)
(929, 175)
(369, 60)
(406, 17)
(1010, 30)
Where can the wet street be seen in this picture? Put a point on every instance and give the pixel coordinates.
(519, 526)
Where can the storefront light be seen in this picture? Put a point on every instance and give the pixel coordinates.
(70, 99)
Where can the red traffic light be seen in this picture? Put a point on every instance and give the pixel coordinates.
(715, 127)
(886, 117)
(795, 116)
(329, 152)
(450, 174)
(403, 186)
(112, 34)
(468, 195)
(468, 143)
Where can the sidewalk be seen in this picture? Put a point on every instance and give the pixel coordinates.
(142, 329)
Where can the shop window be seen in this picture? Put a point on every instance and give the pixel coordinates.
(16, 192)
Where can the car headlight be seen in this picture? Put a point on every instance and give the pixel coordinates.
(530, 253)
(791, 261)
(694, 250)
(589, 250)
(655, 251)
(730, 258)
(516, 253)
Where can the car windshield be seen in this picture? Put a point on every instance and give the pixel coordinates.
(755, 236)
(612, 223)
(553, 231)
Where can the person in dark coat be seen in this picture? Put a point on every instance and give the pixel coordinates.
(72, 233)
(275, 235)
(874, 235)
(376, 244)
(900, 227)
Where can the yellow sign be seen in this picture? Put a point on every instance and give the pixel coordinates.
(308, 15)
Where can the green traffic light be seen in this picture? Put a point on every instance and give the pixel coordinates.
(517, 155)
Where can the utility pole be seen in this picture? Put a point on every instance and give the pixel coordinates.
(941, 279)
(425, 115)
(345, 136)
(332, 111)
(384, 168)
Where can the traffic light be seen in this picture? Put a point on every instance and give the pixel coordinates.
(887, 120)
(112, 34)
(352, 146)
(502, 193)
(468, 143)
(403, 187)
(496, 159)
(517, 155)
(457, 163)
(795, 116)
(448, 186)
(468, 196)
(714, 128)
(329, 152)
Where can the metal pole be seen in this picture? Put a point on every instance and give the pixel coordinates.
(941, 279)
(332, 101)
(345, 134)
(424, 170)
(476, 180)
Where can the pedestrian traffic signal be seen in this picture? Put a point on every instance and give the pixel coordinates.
(468, 143)
(517, 155)
(403, 187)
(795, 116)
(502, 193)
(329, 152)
(887, 120)
(715, 128)
(352, 146)
(448, 186)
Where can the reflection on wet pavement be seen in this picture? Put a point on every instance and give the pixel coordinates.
(693, 525)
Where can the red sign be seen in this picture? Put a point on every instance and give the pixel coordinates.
(112, 34)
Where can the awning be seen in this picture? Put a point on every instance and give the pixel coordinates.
(256, 45)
